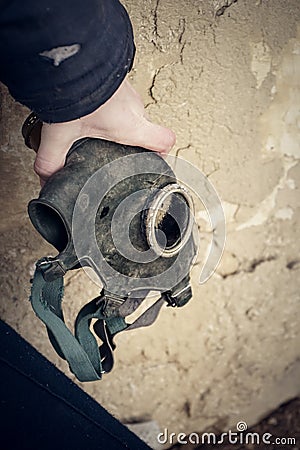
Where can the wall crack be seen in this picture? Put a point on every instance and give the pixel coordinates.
(156, 35)
(249, 267)
(182, 43)
(220, 10)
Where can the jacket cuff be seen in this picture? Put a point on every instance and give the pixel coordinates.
(60, 86)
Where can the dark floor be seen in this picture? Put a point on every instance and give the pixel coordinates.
(281, 428)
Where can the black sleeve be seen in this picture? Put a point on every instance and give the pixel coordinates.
(64, 58)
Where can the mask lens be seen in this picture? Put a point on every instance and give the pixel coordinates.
(171, 221)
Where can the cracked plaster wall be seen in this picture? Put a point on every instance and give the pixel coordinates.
(225, 76)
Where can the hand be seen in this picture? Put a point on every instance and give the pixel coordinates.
(121, 119)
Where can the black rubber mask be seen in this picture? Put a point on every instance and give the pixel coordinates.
(119, 210)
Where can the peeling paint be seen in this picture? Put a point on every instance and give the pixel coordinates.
(59, 54)
(280, 126)
(284, 213)
(281, 122)
(230, 210)
(268, 204)
(261, 62)
(290, 182)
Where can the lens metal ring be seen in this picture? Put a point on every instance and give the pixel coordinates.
(151, 220)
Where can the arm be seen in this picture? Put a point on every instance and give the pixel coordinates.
(67, 61)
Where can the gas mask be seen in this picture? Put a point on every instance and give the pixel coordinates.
(120, 211)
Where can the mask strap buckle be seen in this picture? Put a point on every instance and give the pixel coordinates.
(51, 268)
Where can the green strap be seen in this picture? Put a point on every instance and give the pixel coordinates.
(106, 329)
(81, 351)
(83, 357)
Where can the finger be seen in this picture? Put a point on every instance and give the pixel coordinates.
(55, 143)
(155, 137)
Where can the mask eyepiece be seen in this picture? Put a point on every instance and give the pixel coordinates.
(169, 220)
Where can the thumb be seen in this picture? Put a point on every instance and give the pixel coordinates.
(54, 146)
